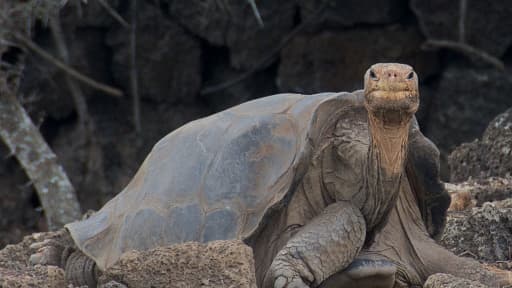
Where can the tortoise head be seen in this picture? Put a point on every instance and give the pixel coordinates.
(391, 92)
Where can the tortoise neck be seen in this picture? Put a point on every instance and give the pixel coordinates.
(388, 146)
(386, 157)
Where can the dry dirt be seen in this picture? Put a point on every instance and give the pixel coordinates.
(216, 264)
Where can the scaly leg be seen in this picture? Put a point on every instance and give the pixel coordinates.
(60, 251)
(322, 247)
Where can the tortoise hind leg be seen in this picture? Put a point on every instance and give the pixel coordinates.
(327, 244)
(81, 270)
(61, 251)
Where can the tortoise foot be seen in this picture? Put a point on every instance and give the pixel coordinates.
(53, 251)
(364, 273)
(81, 270)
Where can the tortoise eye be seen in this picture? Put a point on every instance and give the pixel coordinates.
(373, 75)
(410, 75)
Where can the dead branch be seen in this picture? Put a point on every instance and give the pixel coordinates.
(133, 67)
(76, 93)
(463, 4)
(114, 13)
(256, 12)
(267, 60)
(23, 139)
(467, 50)
(87, 141)
(27, 43)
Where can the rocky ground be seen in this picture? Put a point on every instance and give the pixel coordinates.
(216, 264)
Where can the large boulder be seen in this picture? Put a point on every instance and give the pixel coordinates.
(487, 22)
(482, 232)
(233, 24)
(192, 264)
(490, 156)
(463, 102)
(335, 61)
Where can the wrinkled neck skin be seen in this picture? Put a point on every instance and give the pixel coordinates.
(386, 157)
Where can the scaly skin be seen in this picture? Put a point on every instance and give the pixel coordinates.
(79, 269)
(324, 246)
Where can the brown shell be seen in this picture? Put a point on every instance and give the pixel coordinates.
(214, 178)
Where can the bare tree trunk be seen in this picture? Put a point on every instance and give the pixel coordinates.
(53, 187)
(17, 130)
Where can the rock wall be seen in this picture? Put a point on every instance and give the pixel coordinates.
(185, 49)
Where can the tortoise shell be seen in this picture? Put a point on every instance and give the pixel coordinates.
(215, 178)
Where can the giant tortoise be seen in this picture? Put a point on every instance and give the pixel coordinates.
(331, 190)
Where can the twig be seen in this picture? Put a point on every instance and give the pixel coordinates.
(6, 64)
(265, 61)
(72, 72)
(256, 12)
(133, 67)
(114, 14)
(467, 50)
(462, 20)
(76, 93)
(467, 253)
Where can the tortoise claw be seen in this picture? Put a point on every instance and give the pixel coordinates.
(48, 252)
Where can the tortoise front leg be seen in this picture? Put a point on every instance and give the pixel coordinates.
(325, 245)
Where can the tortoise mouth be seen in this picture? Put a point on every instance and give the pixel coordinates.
(392, 107)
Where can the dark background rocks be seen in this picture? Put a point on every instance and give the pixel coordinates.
(186, 47)
(489, 156)
(486, 26)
